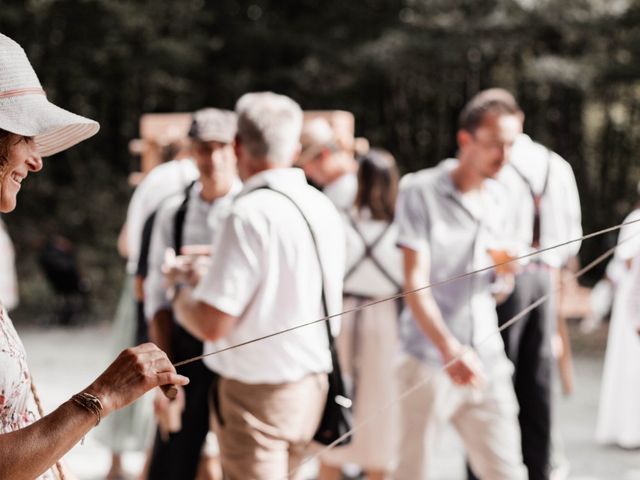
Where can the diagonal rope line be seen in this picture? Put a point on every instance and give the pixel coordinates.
(405, 293)
(428, 378)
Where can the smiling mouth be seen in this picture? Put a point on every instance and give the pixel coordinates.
(17, 178)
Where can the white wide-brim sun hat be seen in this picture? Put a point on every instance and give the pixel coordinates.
(25, 110)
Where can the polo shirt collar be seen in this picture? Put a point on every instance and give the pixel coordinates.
(445, 183)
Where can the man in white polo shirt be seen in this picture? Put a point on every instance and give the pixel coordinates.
(449, 217)
(265, 277)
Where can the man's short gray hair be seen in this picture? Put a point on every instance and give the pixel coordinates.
(269, 126)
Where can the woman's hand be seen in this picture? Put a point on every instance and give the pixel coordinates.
(134, 372)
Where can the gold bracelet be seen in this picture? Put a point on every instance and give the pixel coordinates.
(89, 402)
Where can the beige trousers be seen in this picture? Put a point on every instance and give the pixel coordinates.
(486, 419)
(264, 429)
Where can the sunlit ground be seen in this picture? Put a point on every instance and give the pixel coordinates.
(65, 361)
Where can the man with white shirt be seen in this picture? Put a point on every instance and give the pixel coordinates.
(328, 164)
(266, 276)
(189, 219)
(449, 217)
(545, 211)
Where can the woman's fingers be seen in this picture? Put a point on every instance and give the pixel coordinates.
(133, 373)
(171, 378)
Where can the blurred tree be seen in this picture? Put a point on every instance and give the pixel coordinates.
(404, 67)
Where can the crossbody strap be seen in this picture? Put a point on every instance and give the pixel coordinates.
(325, 306)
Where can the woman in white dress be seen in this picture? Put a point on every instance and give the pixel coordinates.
(619, 411)
(368, 340)
(31, 128)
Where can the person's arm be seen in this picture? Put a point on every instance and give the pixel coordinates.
(211, 310)
(429, 318)
(28, 452)
(200, 319)
(161, 329)
(122, 242)
(157, 307)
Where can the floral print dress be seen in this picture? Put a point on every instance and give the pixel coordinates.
(17, 406)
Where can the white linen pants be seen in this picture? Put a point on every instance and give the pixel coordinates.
(486, 419)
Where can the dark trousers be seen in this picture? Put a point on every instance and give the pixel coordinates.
(178, 458)
(528, 345)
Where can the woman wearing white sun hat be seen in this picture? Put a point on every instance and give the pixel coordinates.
(31, 128)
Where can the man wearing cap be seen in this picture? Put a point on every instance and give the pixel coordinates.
(268, 275)
(190, 219)
(328, 163)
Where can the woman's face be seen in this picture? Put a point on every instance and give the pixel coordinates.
(22, 158)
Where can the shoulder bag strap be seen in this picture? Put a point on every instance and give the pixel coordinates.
(178, 219)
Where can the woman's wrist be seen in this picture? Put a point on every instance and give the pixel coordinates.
(90, 403)
(100, 393)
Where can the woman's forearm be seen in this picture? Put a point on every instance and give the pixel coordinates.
(29, 452)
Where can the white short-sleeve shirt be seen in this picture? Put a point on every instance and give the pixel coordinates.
(162, 182)
(265, 271)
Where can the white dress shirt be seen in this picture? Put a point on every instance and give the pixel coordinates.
(560, 213)
(265, 271)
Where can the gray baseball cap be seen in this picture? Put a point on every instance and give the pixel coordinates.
(213, 125)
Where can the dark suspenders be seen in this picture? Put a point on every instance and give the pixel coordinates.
(178, 220)
(537, 198)
(368, 254)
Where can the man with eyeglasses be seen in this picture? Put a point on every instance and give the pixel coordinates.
(449, 218)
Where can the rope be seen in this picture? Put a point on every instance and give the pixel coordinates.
(427, 379)
(36, 398)
(405, 293)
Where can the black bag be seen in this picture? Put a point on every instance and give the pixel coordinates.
(336, 417)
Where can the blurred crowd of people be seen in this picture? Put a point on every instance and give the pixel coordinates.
(267, 218)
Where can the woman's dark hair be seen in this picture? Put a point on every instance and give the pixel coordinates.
(5, 145)
(377, 184)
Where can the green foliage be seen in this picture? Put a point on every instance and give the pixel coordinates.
(404, 67)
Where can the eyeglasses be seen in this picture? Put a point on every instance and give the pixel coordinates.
(493, 144)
